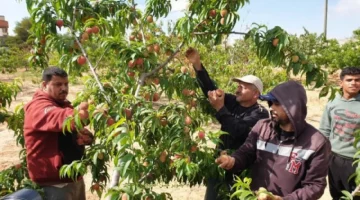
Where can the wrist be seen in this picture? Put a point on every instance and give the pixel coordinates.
(197, 65)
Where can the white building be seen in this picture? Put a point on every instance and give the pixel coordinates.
(4, 25)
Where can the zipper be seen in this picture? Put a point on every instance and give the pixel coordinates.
(278, 146)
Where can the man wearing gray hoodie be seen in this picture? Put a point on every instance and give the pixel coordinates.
(285, 154)
(339, 123)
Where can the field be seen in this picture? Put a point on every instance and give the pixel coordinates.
(9, 151)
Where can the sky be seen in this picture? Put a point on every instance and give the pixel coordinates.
(291, 15)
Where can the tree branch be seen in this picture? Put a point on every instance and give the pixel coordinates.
(209, 33)
(145, 75)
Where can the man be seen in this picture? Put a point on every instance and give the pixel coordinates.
(47, 147)
(237, 113)
(339, 123)
(286, 155)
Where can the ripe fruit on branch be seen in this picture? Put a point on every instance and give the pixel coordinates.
(59, 23)
(212, 13)
(149, 19)
(163, 121)
(275, 42)
(85, 36)
(150, 49)
(81, 60)
(131, 64)
(188, 120)
(295, 58)
(110, 121)
(95, 187)
(223, 12)
(132, 37)
(95, 29)
(84, 106)
(201, 135)
(139, 61)
(157, 48)
(88, 31)
(163, 156)
(131, 74)
(156, 97)
(222, 21)
(128, 113)
(193, 148)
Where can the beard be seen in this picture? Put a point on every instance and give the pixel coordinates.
(279, 121)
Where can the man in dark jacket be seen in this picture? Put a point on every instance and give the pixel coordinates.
(237, 113)
(47, 147)
(286, 155)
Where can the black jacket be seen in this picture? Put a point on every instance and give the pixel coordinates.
(234, 118)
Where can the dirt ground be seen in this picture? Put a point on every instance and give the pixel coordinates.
(9, 151)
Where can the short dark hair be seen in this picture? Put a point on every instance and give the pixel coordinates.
(349, 71)
(53, 71)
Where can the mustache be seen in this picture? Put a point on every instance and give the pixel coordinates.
(63, 92)
(238, 93)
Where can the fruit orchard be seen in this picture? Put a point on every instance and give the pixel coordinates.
(132, 63)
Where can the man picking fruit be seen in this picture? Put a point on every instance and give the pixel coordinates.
(285, 154)
(47, 147)
(237, 113)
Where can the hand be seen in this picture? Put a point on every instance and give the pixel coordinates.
(194, 57)
(264, 196)
(216, 99)
(84, 137)
(225, 162)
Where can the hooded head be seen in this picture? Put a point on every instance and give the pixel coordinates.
(292, 98)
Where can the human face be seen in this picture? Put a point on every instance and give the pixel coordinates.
(246, 92)
(57, 87)
(350, 85)
(278, 114)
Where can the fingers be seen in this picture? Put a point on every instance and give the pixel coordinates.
(190, 52)
(225, 162)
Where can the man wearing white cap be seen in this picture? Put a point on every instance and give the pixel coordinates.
(237, 113)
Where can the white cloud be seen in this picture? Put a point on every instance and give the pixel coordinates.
(347, 7)
(179, 5)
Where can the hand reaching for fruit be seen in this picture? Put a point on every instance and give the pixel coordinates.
(84, 137)
(194, 57)
(216, 99)
(225, 162)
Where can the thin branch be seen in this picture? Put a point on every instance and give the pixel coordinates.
(209, 33)
(91, 66)
(97, 63)
(145, 75)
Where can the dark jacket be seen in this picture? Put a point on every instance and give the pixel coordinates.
(234, 118)
(294, 168)
(47, 147)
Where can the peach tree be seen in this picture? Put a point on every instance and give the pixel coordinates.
(129, 62)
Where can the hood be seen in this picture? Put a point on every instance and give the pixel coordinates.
(292, 97)
(41, 95)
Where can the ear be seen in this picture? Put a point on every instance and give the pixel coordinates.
(43, 85)
(341, 83)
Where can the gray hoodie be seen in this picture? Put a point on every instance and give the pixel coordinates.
(339, 122)
(294, 168)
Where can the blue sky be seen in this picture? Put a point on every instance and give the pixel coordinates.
(292, 15)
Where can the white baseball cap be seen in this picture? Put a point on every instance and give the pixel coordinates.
(252, 80)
